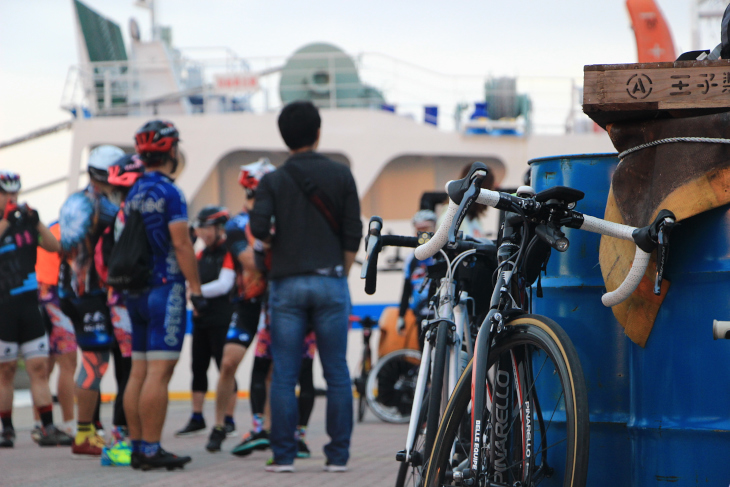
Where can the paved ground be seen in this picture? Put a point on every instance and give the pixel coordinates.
(372, 462)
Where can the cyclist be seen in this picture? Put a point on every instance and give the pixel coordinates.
(122, 176)
(217, 277)
(83, 218)
(250, 288)
(21, 326)
(158, 313)
(414, 295)
(61, 334)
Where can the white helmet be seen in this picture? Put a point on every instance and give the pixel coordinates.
(251, 174)
(101, 159)
(9, 181)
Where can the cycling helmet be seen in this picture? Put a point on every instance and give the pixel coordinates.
(125, 172)
(101, 159)
(251, 174)
(155, 139)
(422, 216)
(9, 181)
(212, 215)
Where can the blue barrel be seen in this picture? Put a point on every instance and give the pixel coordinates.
(572, 289)
(680, 382)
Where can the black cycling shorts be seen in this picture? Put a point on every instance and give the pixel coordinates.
(244, 322)
(21, 328)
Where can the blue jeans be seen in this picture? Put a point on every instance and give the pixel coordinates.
(295, 302)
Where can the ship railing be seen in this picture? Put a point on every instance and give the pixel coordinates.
(214, 80)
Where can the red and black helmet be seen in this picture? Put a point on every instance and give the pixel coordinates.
(156, 137)
(125, 172)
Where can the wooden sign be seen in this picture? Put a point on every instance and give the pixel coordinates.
(614, 92)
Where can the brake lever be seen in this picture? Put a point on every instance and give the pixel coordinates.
(370, 266)
(470, 196)
(665, 228)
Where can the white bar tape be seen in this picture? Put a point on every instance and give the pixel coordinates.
(596, 225)
(441, 236)
(641, 261)
(488, 197)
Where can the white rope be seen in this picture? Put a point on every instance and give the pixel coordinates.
(671, 140)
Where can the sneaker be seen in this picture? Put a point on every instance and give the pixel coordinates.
(250, 442)
(276, 468)
(163, 459)
(230, 429)
(119, 455)
(328, 467)
(194, 427)
(52, 436)
(7, 438)
(303, 449)
(216, 439)
(36, 433)
(91, 447)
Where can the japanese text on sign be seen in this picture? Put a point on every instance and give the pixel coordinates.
(237, 82)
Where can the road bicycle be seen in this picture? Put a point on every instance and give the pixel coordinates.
(447, 347)
(518, 415)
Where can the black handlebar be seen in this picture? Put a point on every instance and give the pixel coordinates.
(375, 243)
(372, 247)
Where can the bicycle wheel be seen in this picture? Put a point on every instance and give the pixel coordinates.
(391, 385)
(535, 425)
(437, 386)
(410, 473)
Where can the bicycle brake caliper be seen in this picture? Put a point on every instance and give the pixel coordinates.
(498, 320)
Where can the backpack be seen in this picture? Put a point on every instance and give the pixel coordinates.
(130, 263)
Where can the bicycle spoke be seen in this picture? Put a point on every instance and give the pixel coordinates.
(519, 410)
(540, 451)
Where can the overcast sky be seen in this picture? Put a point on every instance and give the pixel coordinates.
(516, 37)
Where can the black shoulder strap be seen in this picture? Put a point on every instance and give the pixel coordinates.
(315, 195)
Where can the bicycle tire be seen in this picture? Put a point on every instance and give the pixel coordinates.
(359, 383)
(361, 407)
(403, 366)
(430, 413)
(541, 336)
(409, 475)
(437, 386)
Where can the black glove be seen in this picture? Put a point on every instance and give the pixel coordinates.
(199, 302)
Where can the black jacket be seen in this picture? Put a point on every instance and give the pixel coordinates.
(304, 242)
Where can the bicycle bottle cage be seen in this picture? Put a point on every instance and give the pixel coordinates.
(560, 193)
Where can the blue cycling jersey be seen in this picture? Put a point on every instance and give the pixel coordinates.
(161, 203)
